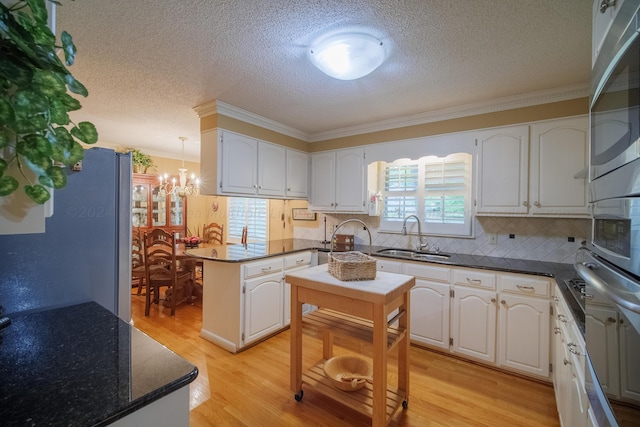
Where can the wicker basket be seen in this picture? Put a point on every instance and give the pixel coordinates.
(349, 266)
(353, 265)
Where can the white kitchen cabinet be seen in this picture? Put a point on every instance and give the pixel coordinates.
(629, 351)
(568, 366)
(389, 266)
(430, 302)
(523, 323)
(559, 151)
(272, 170)
(602, 322)
(239, 155)
(297, 174)
(601, 23)
(263, 306)
(252, 167)
(235, 164)
(246, 302)
(534, 170)
(503, 167)
(338, 181)
(474, 323)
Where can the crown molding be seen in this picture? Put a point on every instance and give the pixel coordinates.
(499, 104)
(219, 107)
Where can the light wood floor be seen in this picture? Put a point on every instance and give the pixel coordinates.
(252, 388)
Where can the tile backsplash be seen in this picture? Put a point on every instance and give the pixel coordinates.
(536, 239)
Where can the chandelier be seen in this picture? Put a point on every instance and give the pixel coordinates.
(181, 186)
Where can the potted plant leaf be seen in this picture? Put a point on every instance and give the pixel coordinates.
(140, 161)
(36, 132)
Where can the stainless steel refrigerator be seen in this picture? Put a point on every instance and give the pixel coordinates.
(85, 252)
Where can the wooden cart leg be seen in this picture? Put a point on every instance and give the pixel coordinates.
(379, 418)
(403, 350)
(327, 344)
(296, 344)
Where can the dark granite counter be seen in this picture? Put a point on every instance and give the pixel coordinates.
(252, 251)
(81, 366)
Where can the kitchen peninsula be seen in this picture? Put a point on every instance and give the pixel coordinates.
(246, 298)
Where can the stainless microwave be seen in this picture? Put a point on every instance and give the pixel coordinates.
(615, 101)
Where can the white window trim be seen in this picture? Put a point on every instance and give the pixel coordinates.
(429, 228)
(236, 238)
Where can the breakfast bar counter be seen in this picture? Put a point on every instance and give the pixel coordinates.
(83, 366)
(365, 306)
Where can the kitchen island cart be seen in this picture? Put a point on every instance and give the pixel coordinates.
(361, 309)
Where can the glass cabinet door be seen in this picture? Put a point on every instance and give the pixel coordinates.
(176, 210)
(158, 209)
(139, 205)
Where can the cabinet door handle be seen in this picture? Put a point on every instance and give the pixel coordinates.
(555, 298)
(300, 261)
(475, 281)
(525, 288)
(288, 189)
(537, 204)
(493, 300)
(572, 348)
(266, 269)
(566, 362)
(557, 331)
(525, 203)
(562, 318)
(503, 302)
(605, 4)
(611, 320)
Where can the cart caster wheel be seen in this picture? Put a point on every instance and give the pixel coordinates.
(405, 404)
(298, 396)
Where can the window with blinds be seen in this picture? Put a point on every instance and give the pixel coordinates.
(249, 212)
(436, 189)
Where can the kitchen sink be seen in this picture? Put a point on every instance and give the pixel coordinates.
(407, 253)
(411, 254)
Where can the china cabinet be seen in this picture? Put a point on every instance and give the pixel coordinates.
(150, 209)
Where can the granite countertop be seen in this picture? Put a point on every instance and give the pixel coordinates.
(81, 365)
(253, 251)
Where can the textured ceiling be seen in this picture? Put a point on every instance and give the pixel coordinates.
(147, 63)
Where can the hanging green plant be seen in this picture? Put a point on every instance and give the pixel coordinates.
(35, 129)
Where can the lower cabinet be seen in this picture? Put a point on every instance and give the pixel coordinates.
(243, 303)
(263, 306)
(568, 366)
(496, 318)
(474, 323)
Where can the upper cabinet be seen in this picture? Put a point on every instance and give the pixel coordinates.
(503, 168)
(235, 164)
(338, 181)
(297, 174)
(534, 170)
(604, 12)
(151, 209)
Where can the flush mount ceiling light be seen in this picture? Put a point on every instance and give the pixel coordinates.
(348, 56)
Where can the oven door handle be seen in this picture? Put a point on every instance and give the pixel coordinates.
(620, 297)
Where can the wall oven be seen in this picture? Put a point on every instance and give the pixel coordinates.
(610, 263)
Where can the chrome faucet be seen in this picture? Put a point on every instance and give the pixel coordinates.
(420, 245)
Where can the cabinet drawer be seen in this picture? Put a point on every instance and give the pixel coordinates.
(479, 279)
(262, 267)
(524, 285)
(388, 266)
(297, 260)
(430, 272)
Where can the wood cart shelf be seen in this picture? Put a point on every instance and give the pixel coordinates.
(358, 309)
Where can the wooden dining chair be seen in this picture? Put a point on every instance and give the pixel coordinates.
(213, 233)
(138, 272)
(162, 270)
